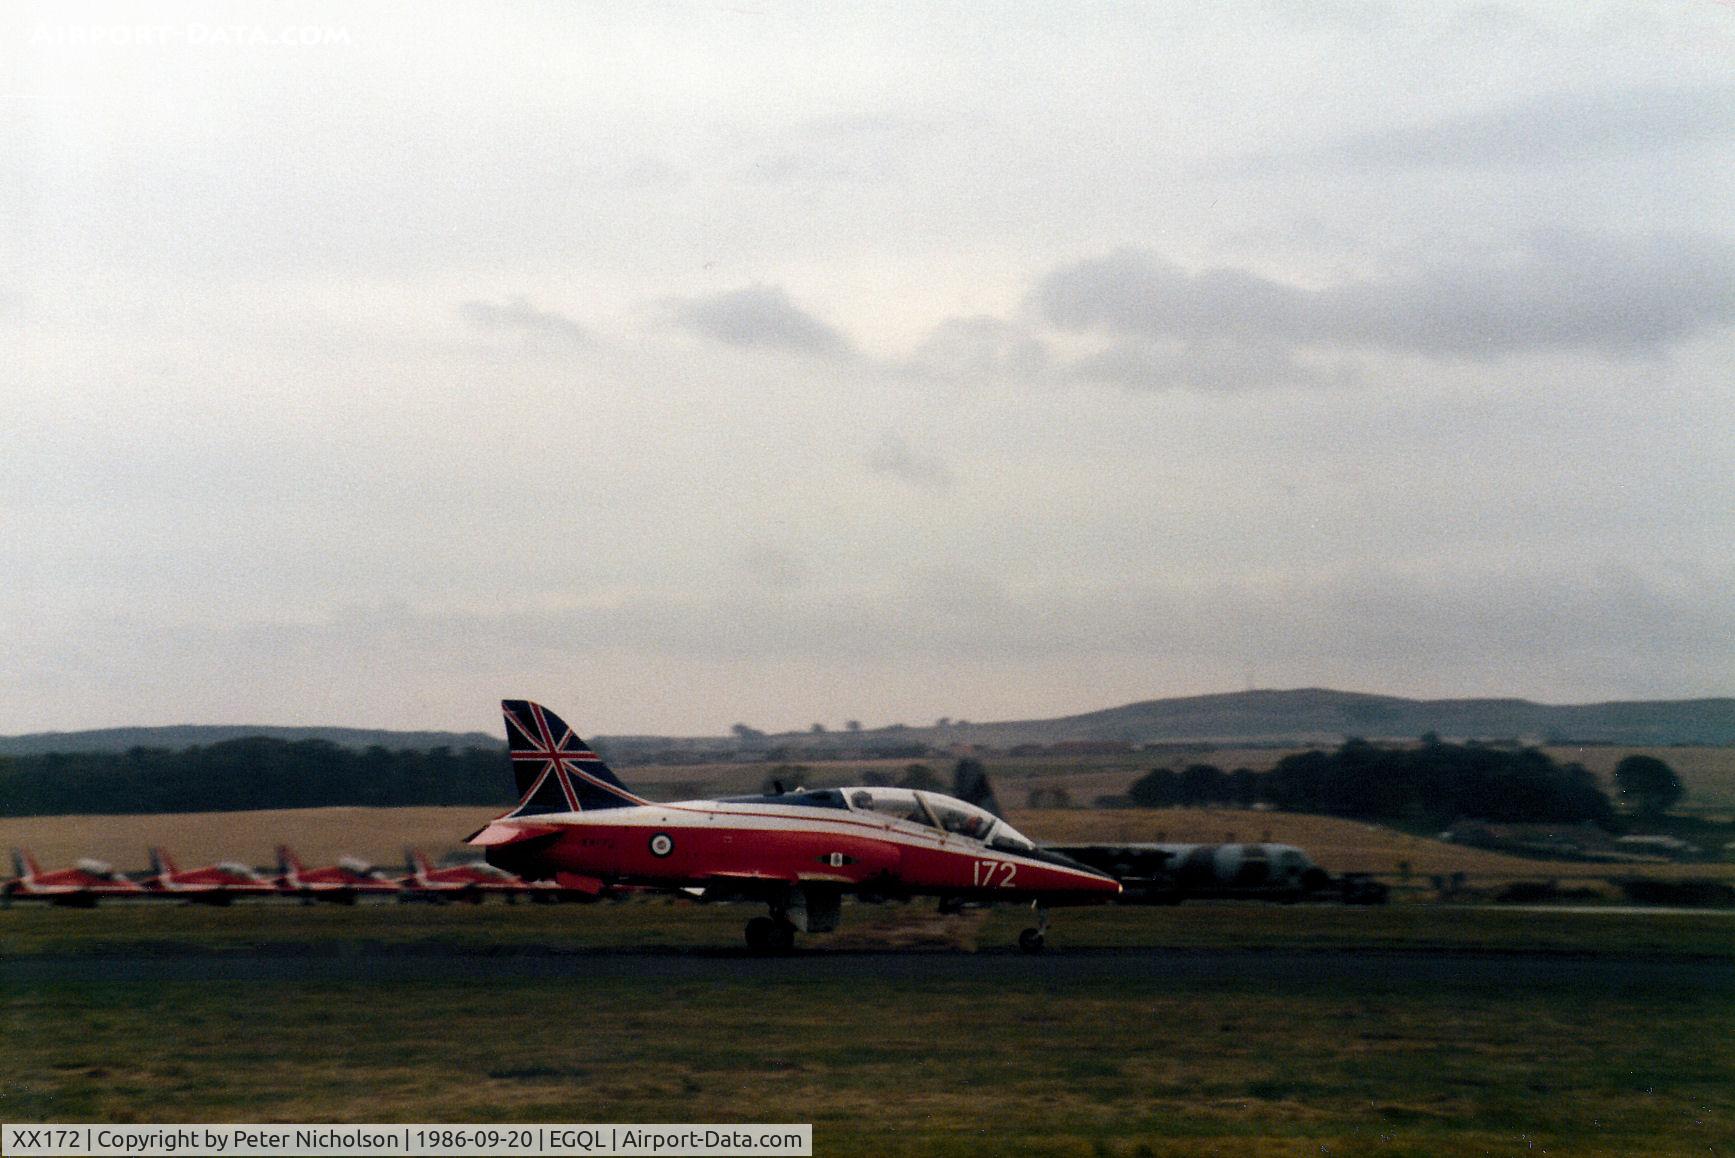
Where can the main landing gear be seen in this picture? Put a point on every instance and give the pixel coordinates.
(768, 935)
(1032, 940)
(794, 910)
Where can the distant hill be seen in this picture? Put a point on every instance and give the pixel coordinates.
(187, 735)
(1317, 714)
(1307, 715)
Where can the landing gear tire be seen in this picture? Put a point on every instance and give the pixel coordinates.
(782, 937)
(768, 936)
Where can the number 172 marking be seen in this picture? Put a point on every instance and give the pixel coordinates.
(992, 873)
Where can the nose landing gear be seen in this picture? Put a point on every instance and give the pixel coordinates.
(1033, 940)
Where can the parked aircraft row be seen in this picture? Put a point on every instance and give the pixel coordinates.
(89, 881)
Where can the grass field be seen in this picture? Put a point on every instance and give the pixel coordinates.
(653, 922)
(916, 1061)
(1115, 1069)
(1708, 774)
(904, 1033)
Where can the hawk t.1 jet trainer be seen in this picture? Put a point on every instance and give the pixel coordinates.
(799, 852)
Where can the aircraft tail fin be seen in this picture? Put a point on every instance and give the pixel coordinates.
(416, 864)
(162, 864)
(555, 770)
(24, 865)
(288, 864)
(970, 784)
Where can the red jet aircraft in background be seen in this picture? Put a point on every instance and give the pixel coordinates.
(78, 887)
(799, 852)
(216, 884)
(340, 883)
(470, 883)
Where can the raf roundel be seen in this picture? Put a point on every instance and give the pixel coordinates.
(662, 844)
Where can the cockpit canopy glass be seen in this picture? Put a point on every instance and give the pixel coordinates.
(963, 819)
(897, 803)
(800, 798)
(955, 816)
(1009, 839)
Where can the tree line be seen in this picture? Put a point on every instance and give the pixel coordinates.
(256, 772)
(1433, 784)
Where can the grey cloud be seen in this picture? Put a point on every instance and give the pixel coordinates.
(896, 458)
(759, 316)
(1207, 365)
(1566, 291)
(981, 347)
(1136, 291)
(519, 316)
(1554, 128)
(239, 239)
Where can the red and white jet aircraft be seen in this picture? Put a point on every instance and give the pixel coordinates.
(463, 882)
(800, 852)
(77, 887)
(216, 884)
(340, 883)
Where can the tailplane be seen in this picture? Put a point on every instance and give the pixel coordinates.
(554, 769)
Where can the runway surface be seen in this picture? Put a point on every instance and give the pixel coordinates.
(421, 964)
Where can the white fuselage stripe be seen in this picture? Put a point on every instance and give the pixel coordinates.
(702, 814)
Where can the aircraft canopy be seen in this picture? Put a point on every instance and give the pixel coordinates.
(937, 811)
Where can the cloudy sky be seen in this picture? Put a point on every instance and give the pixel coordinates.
(687, 364)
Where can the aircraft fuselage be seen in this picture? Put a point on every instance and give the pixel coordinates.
(718, 843)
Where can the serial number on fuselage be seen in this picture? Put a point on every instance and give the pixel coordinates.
(991, 874)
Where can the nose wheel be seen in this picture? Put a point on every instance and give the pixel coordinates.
(768, 936)
(1033, 940)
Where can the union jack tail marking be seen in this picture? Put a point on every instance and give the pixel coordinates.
(554, 769)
